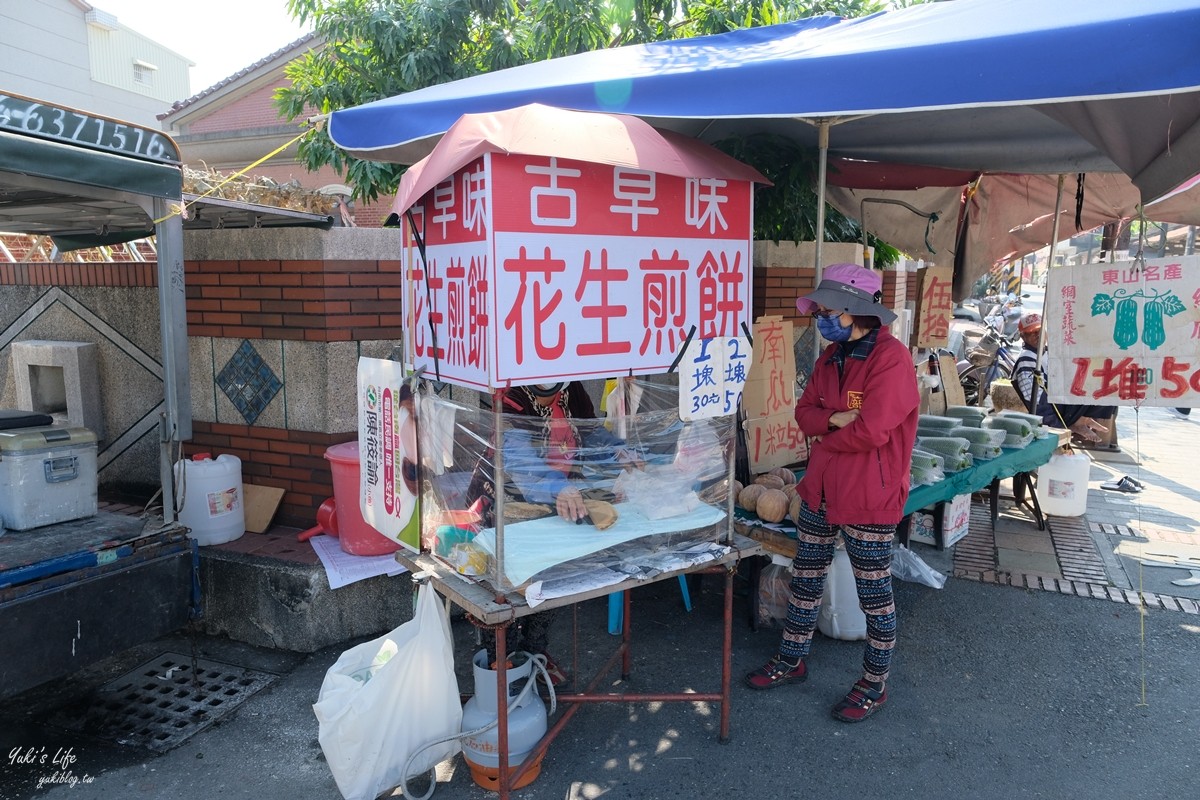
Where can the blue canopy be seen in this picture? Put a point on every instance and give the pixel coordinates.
(1024, 86)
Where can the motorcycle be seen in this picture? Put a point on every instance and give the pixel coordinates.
(990, 355)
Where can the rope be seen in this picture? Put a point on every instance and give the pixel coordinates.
(181, 210)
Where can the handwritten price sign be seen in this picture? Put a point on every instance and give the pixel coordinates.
(712, 375)
(1125, 333)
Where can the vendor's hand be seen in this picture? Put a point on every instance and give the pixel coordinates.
(569, 504)
(1089, 429)
(840, 419)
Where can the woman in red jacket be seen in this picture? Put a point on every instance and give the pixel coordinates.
(860, 411)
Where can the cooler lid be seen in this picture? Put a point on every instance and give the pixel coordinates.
(25, 440)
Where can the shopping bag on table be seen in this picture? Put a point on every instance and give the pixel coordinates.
(385, 699)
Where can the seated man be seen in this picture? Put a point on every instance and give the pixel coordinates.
(548, 459)
(1088, 423)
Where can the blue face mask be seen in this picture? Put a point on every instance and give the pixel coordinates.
(833, 330)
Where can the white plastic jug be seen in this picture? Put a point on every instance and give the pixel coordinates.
(212, 502)
(840, 616)
(1062, 485)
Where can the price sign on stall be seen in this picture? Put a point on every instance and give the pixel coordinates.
(1124, 333)
(773, 438)
(712, 375)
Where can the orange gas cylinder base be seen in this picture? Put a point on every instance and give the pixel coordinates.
(489, 777)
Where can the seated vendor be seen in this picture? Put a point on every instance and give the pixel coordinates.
(1089, 424)
(548, 461)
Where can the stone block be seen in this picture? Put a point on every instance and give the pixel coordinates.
(60, 379)
(286, 605)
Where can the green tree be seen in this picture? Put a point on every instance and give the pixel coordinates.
(380, 48)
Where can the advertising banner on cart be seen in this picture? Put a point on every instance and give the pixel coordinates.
(1124, 334)
(387, 446)
(538, 268)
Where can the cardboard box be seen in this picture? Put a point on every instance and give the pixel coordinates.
(943, 524)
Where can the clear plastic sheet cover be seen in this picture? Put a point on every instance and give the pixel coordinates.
(652, 482)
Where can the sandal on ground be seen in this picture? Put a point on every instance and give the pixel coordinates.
(860, 702)
(776, 672)
(1125, 484)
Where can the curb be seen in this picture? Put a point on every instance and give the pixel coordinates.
(1083, 571)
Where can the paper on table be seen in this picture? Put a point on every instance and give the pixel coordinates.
(342, 568)
(563, 581)
(575, 582)
(535, 545)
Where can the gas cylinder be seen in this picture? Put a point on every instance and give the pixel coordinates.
(526, 722)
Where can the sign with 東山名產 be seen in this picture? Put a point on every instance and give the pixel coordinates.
(1124, 334)
(712, 374)
(539, 268)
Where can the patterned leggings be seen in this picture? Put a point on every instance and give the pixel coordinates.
(870, 551)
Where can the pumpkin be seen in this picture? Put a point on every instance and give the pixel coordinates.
(748, 497)
(794, 510)
(785, 474)
(772, 505)
(790, 491)
(769, 481)
(737, 489)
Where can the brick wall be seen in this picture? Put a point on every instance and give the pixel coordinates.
(286, 459)
(255, 110)
(316, 301)
(776, 290)
(141, 274)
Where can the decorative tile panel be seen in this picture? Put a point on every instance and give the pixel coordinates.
(248, 382)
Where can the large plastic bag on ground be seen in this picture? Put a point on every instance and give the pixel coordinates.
(774, 593)
(385, 699)
(908, 566)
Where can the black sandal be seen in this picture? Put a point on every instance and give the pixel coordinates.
(860, 702)
(776, 672)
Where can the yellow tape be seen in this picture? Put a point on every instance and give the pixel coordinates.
(238, 174)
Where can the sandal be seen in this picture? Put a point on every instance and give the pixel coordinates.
(860, 702)
(1125, 484)
(776, 672)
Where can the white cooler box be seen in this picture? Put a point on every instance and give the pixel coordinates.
(47, 475)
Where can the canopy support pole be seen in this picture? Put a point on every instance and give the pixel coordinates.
(1037, 370)
(819, 233)
(176, 422)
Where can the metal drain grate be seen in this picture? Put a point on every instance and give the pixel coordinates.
(164, 702)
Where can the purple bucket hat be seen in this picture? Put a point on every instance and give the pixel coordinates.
(849, 288)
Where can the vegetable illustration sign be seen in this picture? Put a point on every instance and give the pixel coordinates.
(1125, 328)
(1125, 333)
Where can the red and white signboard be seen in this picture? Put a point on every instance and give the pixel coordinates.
(540, 268)
(1122, 334)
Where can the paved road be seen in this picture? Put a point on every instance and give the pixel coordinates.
(997, 693)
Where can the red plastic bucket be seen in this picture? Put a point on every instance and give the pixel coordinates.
(355, 534)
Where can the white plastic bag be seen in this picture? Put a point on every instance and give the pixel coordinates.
(774, 594)
(908, 566)
(385, 699)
